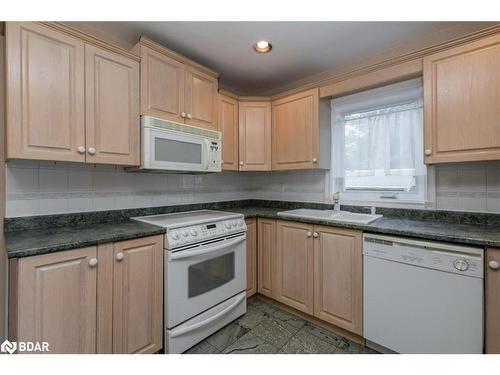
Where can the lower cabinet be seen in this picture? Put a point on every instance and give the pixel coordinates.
(493, 301)
(100, 299)
(251, 256)
(338, 282)
(266, 257)
(318, 271)
(138, 296)
(53, 299)
(295, 265)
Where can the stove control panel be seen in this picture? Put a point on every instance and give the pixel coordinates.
(196, 233)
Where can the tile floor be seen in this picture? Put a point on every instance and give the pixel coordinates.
(267, 329)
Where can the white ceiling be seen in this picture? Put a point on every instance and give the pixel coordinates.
(300, 49)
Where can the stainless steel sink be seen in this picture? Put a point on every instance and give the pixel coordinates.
(330, 215)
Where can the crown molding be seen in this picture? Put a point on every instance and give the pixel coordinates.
(325, 79)
(254, 98)
(145, 41)
(90, 39)
(228, 93)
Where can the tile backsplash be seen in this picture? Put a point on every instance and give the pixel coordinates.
(38, 188)
(42, 188)
(468, 186)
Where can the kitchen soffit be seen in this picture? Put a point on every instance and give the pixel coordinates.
(301, 50)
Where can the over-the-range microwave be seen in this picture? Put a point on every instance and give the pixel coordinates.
(167, 146)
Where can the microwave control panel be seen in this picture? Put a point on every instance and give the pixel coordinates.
(214, 156)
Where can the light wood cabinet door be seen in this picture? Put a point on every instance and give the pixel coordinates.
(112, 108)
(295, 265)
(162, 86)
(53, 299)
(45, 94)
(228, 126)
(255, 136)
(201, 99)
(266, 254)
(492, 301)
(462, 103)
(295, 131)
(138, 296)
(338, 277)
(251, 256)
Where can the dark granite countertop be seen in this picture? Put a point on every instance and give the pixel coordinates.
(64, 232)
(42, 241)
(470, 234)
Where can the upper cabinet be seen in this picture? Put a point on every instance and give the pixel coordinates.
(228, 126)
(201, 99)
(175, 88)
(462, 103)
(295, 131)
(68, 100)
(254, 135)
(112, 107)
(45, 93)
(162, 86)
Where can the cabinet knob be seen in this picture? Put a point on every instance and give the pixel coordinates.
(183, 114)
(309, 234)
(315, 234)
(428, 152)
(241, 163)
(81, 150)
(92, 262)
(493, 264)
(91, 150)
(189, 115)
(119, 256)
(315, 160)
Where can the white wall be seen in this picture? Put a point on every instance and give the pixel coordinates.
(37, 188)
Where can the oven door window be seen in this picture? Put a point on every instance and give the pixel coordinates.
(210, 274)
(174, 151)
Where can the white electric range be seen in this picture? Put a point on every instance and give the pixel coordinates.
(205, 274)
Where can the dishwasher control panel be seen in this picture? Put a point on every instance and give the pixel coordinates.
(446, 257)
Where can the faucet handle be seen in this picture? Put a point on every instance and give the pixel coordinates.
(336, 197)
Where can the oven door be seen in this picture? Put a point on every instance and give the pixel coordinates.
(170, 150)
(199, 277)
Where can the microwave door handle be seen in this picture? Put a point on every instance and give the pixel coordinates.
(206, 250)
(205, 155)
(210, 320)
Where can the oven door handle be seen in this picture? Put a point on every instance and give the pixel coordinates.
(210, 320)
(206, 250)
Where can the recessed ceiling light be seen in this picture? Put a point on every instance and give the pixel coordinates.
(262, 46)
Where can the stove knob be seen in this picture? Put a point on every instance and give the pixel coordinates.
(193, 232)
(235, 223)
(185, 233)
(228, 225)
(175, 235)
(240, 223)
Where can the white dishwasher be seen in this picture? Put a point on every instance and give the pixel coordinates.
(422, 296)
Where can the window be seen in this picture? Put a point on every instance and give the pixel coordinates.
(377, 143)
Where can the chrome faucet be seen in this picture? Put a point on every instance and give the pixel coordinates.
(336, 199)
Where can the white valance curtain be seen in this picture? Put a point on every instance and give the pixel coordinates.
(377, 137)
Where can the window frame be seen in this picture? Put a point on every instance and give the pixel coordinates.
(393, 94)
